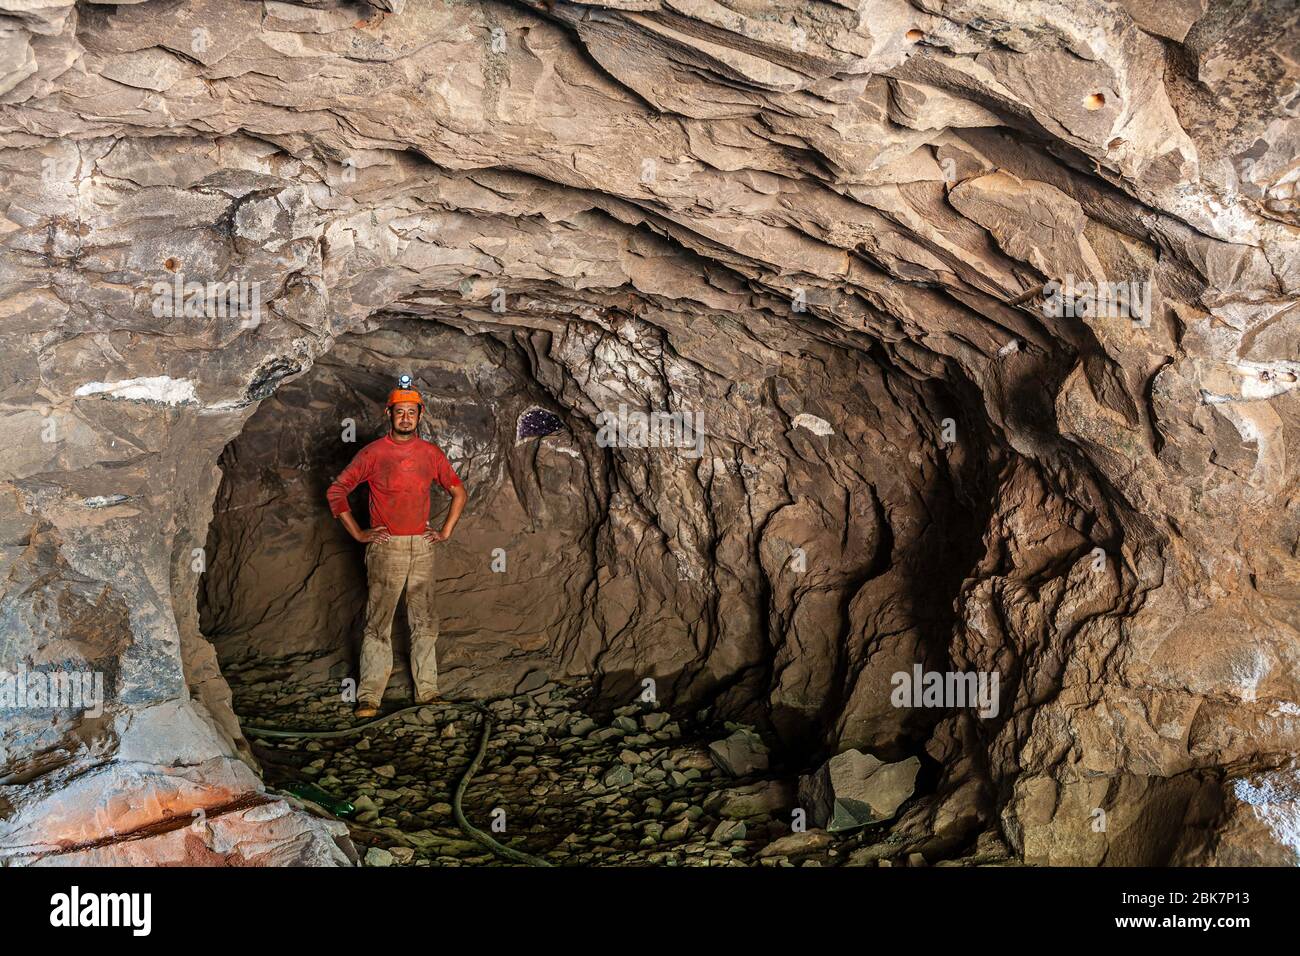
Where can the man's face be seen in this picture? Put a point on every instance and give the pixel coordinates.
(406, 417)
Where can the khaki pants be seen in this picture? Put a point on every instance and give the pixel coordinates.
(400, 563)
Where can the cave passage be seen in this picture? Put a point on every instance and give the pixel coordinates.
(524, 584)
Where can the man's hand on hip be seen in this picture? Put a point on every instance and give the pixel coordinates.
(430, 534)
(377, 533)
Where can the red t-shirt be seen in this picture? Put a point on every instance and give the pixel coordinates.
(399, 475)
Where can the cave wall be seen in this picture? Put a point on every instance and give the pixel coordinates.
(808, 210)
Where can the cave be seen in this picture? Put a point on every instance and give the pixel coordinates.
(875, 422)
(582, 557)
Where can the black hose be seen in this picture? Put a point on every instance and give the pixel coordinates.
(319, 734)
(471, 831)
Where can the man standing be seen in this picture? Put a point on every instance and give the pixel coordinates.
(400, 469)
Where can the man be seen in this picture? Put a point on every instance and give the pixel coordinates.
(400, 469)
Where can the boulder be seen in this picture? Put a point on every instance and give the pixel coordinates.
(854, 789)
(740, 754)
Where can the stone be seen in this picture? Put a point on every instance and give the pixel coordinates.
(654, 722)
(764, 798)
(728, 830)
(740, 754)
(677, 831)
(854, 789)
(797, 844)
(619, 776)
(376, 856)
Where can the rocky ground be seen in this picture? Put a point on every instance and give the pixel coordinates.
(639, 789)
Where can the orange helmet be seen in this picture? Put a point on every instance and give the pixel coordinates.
(404, 395)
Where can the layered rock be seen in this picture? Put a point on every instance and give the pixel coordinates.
(819, 228)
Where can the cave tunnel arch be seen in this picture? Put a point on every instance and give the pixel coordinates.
(285, 582)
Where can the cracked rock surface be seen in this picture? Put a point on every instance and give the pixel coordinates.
(829, 230)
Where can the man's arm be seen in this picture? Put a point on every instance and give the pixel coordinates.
(446, 476)
(357, 471)
(377, 533)
(458, 499)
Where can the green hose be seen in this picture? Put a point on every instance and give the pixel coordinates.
(319, 734)
(471, 831)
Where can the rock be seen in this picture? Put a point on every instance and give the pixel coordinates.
(797, 844)
(764, 798)
(872, 854)
(728, 830)
(853, 789)
(375, 856)
(654, 722)
(740, 754)
(619, 776)
(532, 681)
(677, 831)
(692, 759)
